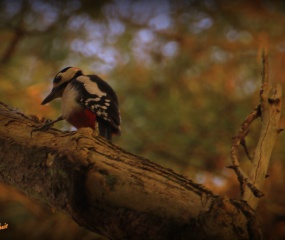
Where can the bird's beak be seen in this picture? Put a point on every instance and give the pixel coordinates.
(53, 95)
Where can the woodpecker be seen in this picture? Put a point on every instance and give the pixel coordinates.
(86, 99)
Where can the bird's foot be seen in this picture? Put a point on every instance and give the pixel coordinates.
(48, 123)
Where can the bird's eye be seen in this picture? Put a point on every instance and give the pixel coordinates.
(57, 79)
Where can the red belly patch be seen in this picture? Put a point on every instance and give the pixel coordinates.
(84, 118)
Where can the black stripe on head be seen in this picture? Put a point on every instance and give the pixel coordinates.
(66, 74)
(58, 76)
(79, 73)
(64, 70)
(57, 79)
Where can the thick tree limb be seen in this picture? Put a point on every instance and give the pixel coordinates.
(112, 192)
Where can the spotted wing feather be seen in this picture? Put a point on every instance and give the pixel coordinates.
(101, 99)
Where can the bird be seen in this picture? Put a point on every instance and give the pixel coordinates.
(87, 100)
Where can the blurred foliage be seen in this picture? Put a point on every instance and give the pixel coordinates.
(186, 73)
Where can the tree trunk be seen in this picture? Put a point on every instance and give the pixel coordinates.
(110, 191)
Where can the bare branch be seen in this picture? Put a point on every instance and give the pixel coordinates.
(270, 110)
(243, 143)
(241, 175)
(265, 69)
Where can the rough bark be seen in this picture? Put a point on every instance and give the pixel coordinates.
(270, 113)
(269, 110)
(110, 191)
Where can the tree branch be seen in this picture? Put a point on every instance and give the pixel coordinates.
(269, 109)
(237, 141)
(110, 191)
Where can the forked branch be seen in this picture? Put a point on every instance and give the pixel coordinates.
(237, 141)
(269, 109)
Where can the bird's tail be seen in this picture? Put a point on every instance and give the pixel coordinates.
(105, 129)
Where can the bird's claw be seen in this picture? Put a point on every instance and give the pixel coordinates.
(45, 127)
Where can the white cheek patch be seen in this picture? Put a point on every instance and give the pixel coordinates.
(91, 87)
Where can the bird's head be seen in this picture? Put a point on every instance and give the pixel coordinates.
(60, 82)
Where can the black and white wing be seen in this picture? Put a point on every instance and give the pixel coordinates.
(100, 98)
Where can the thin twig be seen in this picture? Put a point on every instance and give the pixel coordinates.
(243, 143)
(237, 141)
(265, 69)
